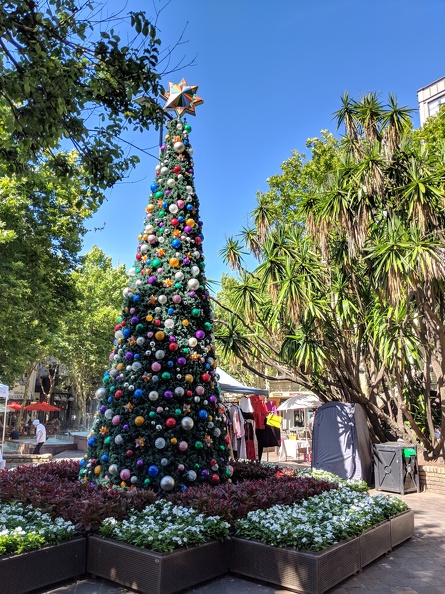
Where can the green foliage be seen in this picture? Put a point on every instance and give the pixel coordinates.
(347, 297)
(83, 336)
(57, 73)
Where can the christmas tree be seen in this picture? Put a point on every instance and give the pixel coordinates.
(160, 423)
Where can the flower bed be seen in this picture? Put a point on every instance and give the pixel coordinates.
(184, 549)
(33, 551)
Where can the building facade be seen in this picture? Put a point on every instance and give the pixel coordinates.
(430, 99)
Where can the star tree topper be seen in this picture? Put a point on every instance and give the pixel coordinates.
(182, 98)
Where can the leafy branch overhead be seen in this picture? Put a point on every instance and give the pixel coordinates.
(62, 79)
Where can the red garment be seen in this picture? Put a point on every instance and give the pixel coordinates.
(260, 411)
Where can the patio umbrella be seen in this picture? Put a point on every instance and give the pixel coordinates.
(15, 406)
(301, 401)
(42, 407)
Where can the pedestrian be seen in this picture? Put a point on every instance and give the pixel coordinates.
(40, 435)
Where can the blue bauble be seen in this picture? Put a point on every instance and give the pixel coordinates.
(92, 441)
(203, 414)
(154, 187)
(138, 393)
(81, 463)
(181, 219)
(110, 399)
(104, 458)
(136, 298)
(189, 206)
(153, 470)
(176, 243)
(126, 332)
(170, 310)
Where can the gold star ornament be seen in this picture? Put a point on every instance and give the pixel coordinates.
(182, 98)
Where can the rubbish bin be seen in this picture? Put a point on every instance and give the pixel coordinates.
(395, 467)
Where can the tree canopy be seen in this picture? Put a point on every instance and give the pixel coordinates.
(347, 297)
(68, 90)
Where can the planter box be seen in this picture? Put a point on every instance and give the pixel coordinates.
(311, 573)
(156, 573)
(374, 543)
(402, 527)
(20, 574)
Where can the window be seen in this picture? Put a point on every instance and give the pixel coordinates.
(433, 106)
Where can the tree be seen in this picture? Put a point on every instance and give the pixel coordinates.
(350, 279)
(82, 340)
(161, 421)
(62, 81)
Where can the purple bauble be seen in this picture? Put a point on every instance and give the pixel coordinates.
(129, 356)
(156, 366)
(172, 338)
(132, 310)
(134, 320)
(187, 229)
(149, 334)
(139, 463)
(192, 294)
(205, 473)
(125, 427)
(103, 409)
(163, 147)
(200, 334)
(151, 280)
(213, 399)
(167, 192)
(186, 261)
(181, 361)
(168, 394)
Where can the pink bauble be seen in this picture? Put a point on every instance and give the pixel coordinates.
(151, 239)
(156, 366)
(181, 467)
(183, 445)
(116, 420)
(177, 298)
(180, 203)
(199, 390)
(125, 474)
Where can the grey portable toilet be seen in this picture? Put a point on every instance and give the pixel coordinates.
(341, 443)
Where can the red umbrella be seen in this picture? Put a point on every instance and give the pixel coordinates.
(15, 406)
(42, 406)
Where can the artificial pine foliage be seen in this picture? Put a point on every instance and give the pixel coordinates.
(161, 423)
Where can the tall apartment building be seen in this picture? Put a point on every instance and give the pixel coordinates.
(430, 99)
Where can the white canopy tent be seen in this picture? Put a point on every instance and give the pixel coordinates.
(229, 384)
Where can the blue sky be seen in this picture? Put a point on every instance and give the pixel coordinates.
(271, 74)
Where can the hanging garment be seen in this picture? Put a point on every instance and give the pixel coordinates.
(245, 405)
(250, 440)
(237, 431)
(260, 411)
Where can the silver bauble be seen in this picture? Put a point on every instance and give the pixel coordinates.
(167, 483)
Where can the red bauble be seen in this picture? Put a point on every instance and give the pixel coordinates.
(174, 222)
(129, 453)
(176, 169)
(118, 394)
(205, 377)
(170, 422)
(198, 240)
(157, 322)
(138, 257)
(189, 393)
(215, 479)
(213, 462)
(173, 346)
(227, 439)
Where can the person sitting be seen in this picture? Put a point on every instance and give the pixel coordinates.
(14, 433)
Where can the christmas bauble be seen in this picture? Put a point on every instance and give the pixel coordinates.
(112, 469)
(125, 474)
(167, 483)
(179, 147)
(187, 423)
(193, 284)
(139, 421)
(160, 443)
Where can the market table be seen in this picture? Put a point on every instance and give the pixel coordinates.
(292, 448)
